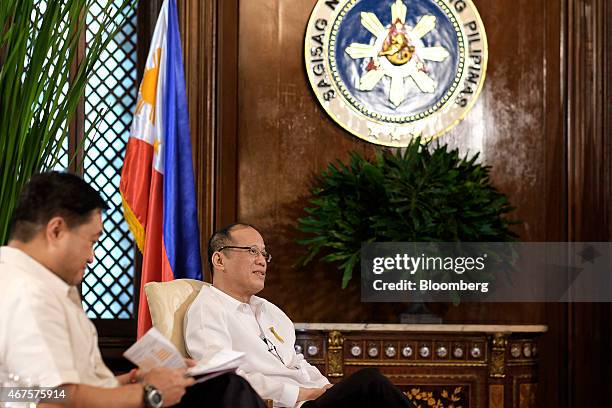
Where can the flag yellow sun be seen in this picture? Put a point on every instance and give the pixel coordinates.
(148, 87)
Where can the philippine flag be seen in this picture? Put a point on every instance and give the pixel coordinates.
(157, 183)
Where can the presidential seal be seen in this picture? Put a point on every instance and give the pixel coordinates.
(390, 70)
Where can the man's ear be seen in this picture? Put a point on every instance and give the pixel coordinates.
(217, 260)
(54, 228)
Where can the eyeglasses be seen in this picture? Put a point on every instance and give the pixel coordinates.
(272, 348)
(253, 250)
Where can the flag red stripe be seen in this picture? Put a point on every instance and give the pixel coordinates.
(155, 265)
(136, 173)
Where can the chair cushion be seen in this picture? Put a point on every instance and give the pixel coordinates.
(168, 303)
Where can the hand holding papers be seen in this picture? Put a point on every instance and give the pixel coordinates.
(154, 350)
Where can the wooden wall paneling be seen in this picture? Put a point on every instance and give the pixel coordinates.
(553, 385)
(517, 126)
(589, 198)
(607, 98)
(553, 388)
(588, 145)
(226, 176)
(506, 125)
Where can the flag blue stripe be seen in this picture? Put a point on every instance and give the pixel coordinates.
(180, 222)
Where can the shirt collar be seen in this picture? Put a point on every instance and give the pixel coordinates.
(32, 267)
(255, 301)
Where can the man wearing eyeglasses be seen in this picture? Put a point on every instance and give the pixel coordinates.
(228, 315)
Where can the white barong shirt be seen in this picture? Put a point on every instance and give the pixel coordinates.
(45, 335)
(216, 321)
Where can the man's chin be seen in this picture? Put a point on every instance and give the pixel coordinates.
(78, 279)
(258, 288)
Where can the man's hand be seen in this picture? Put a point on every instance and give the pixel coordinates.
(171, 383)
(190, 362)
(307, 394)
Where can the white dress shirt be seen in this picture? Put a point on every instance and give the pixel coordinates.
(216, 321)
(44, 333)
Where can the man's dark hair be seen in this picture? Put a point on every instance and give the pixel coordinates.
(52, 194)
(222, 238)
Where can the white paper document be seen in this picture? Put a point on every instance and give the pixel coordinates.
(155, 350)
(222, 362)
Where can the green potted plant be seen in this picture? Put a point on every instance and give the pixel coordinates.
(423, 193)
(42, 82)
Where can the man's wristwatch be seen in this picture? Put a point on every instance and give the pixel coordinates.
(152, 397)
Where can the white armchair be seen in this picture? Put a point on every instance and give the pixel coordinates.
(168, 303)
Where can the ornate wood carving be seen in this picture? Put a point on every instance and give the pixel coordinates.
(462, 380)
(497, 365)
(439, 397)
(335, 358)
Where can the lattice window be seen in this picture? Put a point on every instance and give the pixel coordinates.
(108, 287)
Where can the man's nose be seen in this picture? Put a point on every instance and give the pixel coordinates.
(91, 256)
(260, 259)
